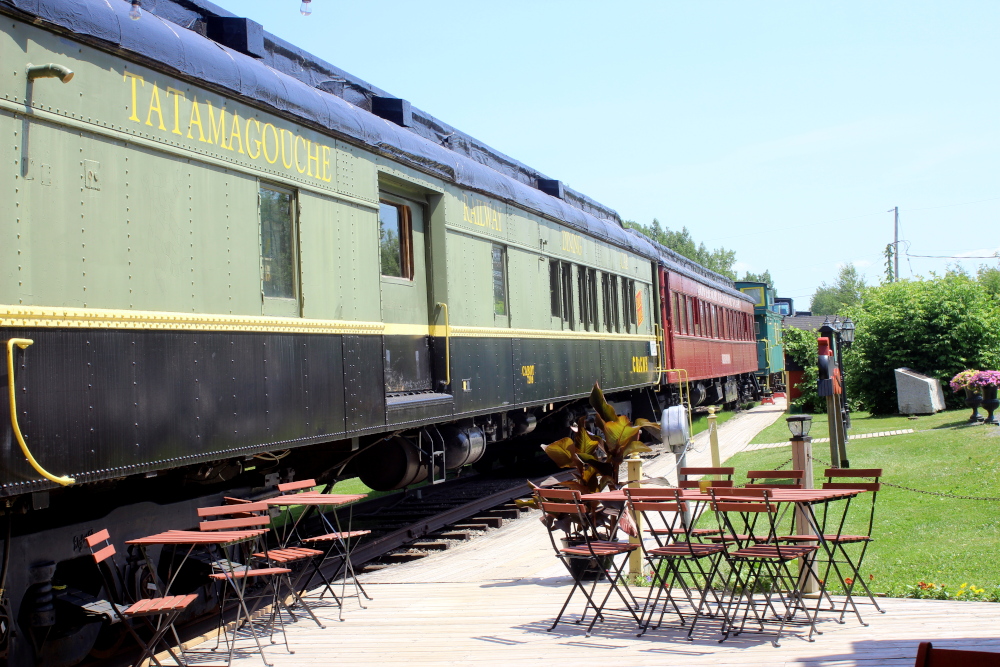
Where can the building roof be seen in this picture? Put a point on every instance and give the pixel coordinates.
(805, 322)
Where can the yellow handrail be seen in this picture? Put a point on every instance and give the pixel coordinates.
(24, 343)
(657, 333)
(447, 344)
(684, 386)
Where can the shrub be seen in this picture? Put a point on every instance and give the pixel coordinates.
(937, 326)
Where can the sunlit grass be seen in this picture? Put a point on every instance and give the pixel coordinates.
(918, 537)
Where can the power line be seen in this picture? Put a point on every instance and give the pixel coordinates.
(993, 256)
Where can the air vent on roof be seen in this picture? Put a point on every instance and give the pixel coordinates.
(393, 109)
(551, 187)
(237, 33)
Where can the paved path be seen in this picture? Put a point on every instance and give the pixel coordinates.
(490, 601)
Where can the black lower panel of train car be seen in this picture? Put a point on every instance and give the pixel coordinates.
(99, 404)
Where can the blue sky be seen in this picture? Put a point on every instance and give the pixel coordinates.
(782, 130)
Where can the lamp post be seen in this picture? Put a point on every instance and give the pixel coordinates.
(799, 426)
(840, 418)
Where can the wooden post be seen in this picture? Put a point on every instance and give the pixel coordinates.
(833, 417)
(802, 460)
(713, 439)
(635, 558)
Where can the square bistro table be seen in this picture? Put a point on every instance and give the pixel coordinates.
(193, 539)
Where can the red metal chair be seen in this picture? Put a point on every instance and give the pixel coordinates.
(164, 609)
(236, 578)
(679, 563)
(581, 550)
(754, 475)
(759, 565)
(928, 656)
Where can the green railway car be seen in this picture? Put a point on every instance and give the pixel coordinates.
(767, 329)
(225, 264)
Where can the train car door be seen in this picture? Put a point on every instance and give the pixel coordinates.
(404, 291)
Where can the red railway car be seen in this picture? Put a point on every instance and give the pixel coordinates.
(707, 331)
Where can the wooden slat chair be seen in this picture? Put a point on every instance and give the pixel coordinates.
(236, 578)
(832, 528)
(580, 551)
(794, 476)
(686, 483)
(928, 656)
(679, 563)
(337, 546)
(164, 610)
(276, 559)
(753, 564)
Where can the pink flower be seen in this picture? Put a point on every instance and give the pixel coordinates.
(986, 379)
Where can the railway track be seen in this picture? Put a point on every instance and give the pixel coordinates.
(413, 524)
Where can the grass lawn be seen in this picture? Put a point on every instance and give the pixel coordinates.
(918, 537)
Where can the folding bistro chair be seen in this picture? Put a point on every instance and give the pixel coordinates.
(838, 544)
(582, 551)
(686, 483)
(761, 563)
(679, 563)
(337, 546)
(240, 577)
(164, 609)
(794, 477)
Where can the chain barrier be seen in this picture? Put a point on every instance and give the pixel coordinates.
(939, 494)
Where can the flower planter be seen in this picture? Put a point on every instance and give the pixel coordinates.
(585, 569)
(991, 403)
(974, 399)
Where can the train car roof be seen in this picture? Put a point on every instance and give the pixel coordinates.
(169, 34)
(678, 263)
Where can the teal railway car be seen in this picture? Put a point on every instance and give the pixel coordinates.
(767, 321)
(226, 263)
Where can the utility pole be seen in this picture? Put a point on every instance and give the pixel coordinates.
(895, 247)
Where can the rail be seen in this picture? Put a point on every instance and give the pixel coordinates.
(447, 343)
(23, 343)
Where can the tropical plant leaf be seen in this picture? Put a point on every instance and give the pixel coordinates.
(618, 433)
(635, 447)
(582, 440)
(604, 411)
(649, 427)
(561, 452)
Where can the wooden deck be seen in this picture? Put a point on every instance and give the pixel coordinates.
(491, 600)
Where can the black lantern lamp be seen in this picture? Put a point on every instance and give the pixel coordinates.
(847, 331)
(799, 426)
(827, 329)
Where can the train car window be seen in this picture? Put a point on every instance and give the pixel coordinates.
(499, 279)
(395, 240)
(567, 295)
(592, 295)
(756, 330)
(715, 321)
(587, 285)
(628, 304)
(615, 306)
(678, 318)
(689, 306)
(555, 291)
(277, 242)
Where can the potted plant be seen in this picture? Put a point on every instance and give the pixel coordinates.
(988, 382)
(596, 458)
(973, 394)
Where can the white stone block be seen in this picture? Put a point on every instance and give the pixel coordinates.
(918, 394)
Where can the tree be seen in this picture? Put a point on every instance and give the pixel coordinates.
(719, 260)
(989, 280)
(837, 298)
(936, 326)
(759, 278)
